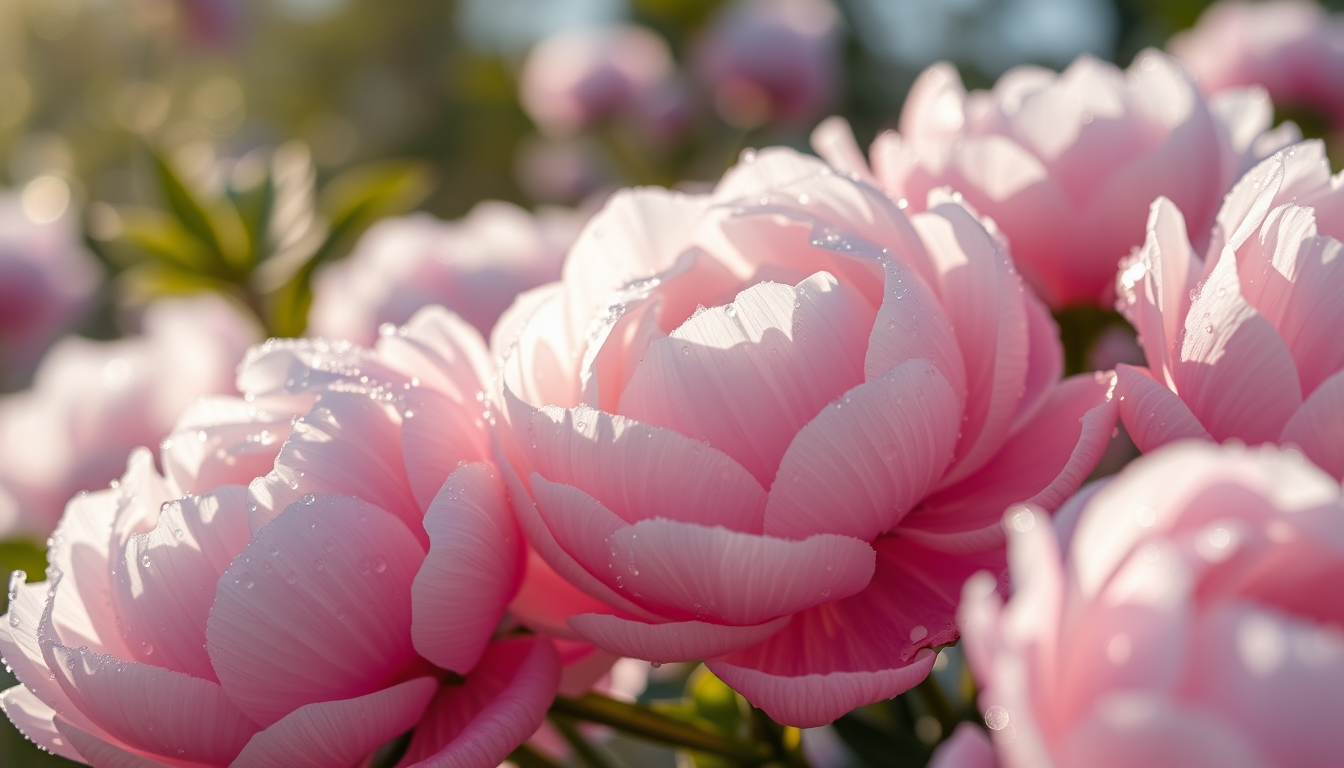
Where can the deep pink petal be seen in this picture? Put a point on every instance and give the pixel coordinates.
(317, 607)
(1318, 425)
(164, 584)
(1153, 415)
(671, 642)
(472, 570)
(867, 458)
(501, 704)
(747, 376)
(1043, 463)
(871, 646)
(1234, 369)
(545, 600)
(151, 708)
(338, 732)
(638, 471)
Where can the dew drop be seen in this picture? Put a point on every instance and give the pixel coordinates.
(379, 564)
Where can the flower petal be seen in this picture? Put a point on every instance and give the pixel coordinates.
(97, 751)
(1153, 415)
(1316, 426)
(437, 436)
(472, 570)
(967, 747)
(35, 720)
(338, 732)
(317, 607)
(671, 642)
(441, 350)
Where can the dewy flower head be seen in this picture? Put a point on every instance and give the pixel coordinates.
(1067, 163)
(192, 619)
(775, 426)
(1245, 342)
(1186, 614)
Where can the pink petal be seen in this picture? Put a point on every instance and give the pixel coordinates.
(1043, 463)
(637, 470)
(317, 607)
(871, 646)
(164, 584)
(1155, 285)
(1234, 370)
(1150, 730)
(545, 600)
(1153, 415)
(911, 324)
(671, 642)
(339, 732)
(1045, 361)
(983, 300)
(538, 329)
(96, 751)
(223, 441)
(437, 436)
(22, 651)
(350, 445)
(443, 351)
(34, 719)
(933, 109)
(1316, 427)
(79, 558)
(502, 702)
(296, 366)
(151, 708)
(472, 570)
(868, 458)
(833, 139)
(967, 747)
(583, 665)
(747, 376)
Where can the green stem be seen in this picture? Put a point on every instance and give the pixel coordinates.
(527, 757)
(653, 726)
(589, 754)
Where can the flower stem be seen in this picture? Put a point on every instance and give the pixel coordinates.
(650, 725)
(589, 754)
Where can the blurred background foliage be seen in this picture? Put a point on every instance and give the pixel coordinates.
(235, 145)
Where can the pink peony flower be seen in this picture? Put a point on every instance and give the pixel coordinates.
(772, 61)
(92, 402)
(192, 620)
(475, 266)
(1066, 164)
(1192, 619)
(47, 279)
(1292, 48)
(775, 427)
(579, 77)
(1244, 343)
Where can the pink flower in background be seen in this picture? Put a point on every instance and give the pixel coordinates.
(1291, 47)
(1066, 164)
(93, 401)
(576, 78)
(474, 266)
(47, 280)
(1244, 343)
(192, 620)
(1191, 619)
(772, 61)
(775, 427)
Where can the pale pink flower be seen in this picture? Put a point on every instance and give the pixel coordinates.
(474, 266)
(775, 427)
(772, 61)
(579, 77)
(1187, 614)
(1292, 48)
(93, 401)
(1245, 342)
(191, 620)
(1066, 164)
(47, 279)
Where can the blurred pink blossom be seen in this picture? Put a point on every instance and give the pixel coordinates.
(474, 266)
(47, 280)
(1066, 164)
(773, 61)
(579, 77)
(775, 427)
(1245, 342)
(1292, 48)
(1187, 615)
(193, 619)
(93, 401)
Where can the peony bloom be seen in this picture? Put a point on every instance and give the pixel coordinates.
(474, 266)
(772, 61)
(1244, 343)
(1066, 164)
(775, 427)
(46, 280)
(93, 401)
(1292, 48)
(192, 620)
(576, 78)
(1192, 619)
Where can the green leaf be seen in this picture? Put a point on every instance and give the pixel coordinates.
(22, 555)
(361, 196)
(254, 206)
(715, 701)
(218, 227)
(151, 235)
